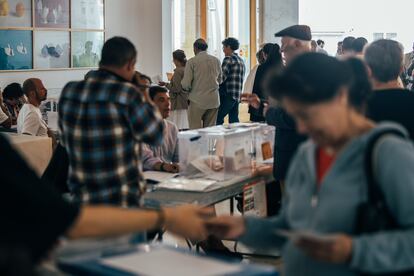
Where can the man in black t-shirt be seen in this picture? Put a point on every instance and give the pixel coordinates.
(390, 102)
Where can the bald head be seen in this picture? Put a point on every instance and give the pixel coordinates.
(35, 91)
(293, 47)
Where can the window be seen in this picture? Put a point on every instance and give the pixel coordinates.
(239, 21)
(216, 31)
(185, 25)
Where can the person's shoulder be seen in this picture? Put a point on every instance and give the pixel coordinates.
(171, 125)
(385, 127)
(390, 97)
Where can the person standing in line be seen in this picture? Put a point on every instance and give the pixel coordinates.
(233, 68)
(202, 77)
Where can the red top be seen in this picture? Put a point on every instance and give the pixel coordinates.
(324, 161)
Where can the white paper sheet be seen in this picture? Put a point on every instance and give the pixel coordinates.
(158, 176)
(164, 261)
(185, 184)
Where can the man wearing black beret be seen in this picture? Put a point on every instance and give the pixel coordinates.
(296, 40)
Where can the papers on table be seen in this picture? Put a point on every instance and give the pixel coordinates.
(157, 176)
(185, 184)
(165, 261)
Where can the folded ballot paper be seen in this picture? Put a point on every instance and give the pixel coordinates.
(157, 176)
(191, 185)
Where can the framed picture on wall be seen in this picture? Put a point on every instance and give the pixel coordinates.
(87, 14)
(16, 13)
(86, 48)
(51, 49)
(51, 13)
(15, 50)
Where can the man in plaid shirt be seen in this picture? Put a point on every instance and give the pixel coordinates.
(102, 121)
(230, 89)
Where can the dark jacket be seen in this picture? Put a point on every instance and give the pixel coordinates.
(287, 140)
(395, 105)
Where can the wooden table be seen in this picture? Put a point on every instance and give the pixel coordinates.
(37, 151)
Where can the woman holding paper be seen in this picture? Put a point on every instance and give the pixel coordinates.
(326, 186)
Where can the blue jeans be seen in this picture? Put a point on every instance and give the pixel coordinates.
(228, 106)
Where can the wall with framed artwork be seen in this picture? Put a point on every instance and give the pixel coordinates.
(51, 34)
(138, 20)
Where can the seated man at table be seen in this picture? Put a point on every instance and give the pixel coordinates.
(30, 119)
(163, 157)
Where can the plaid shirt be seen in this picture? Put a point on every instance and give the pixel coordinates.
(102, 121)
(233, 73)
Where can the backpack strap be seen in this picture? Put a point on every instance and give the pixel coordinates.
(375, 195)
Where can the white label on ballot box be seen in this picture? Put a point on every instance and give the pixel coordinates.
(254, 199)
(165, 261)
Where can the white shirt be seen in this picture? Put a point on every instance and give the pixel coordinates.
(248, 84)
(3, 116)
(30, 121)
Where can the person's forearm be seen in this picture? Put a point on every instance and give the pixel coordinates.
(103, 221)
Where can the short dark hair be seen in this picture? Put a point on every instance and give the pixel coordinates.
(200, 44)
(29, 85)
(13, 91)
(358, 44)
(180, 56)
(231, 42)
(272, 50)
(154, 90)
(314, 78)
(145, 77)
(320, 41)
(385, 59)
(347, 43)
(117, 51)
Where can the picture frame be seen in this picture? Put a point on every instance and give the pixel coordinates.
(51, 13)
(51, 49)
(86, 48)
(16, 50)
(15, 13)
(87, 14)
(51, 34)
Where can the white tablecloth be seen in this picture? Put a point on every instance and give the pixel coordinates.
(37, 151)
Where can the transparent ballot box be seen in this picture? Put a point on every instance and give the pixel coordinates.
(224, 152)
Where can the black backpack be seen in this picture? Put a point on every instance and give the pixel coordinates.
(373, 215)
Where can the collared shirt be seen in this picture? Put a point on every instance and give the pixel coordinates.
(102, 120)
(202, 76)
(166, 152)
(233, 73)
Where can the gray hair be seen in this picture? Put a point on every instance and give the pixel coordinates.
(385, 59)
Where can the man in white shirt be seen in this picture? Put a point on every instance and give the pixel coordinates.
(165, 156)
(30, 119)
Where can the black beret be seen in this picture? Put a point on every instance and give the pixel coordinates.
(302, 32)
